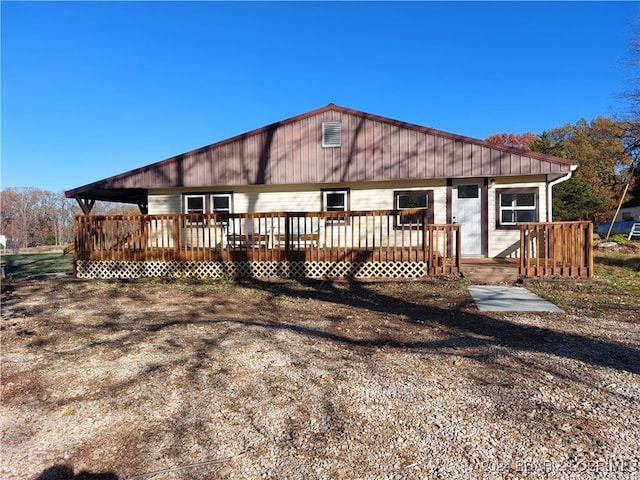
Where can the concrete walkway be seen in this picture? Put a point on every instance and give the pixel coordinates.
(498, 298)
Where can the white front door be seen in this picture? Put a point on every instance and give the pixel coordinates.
(466, 210)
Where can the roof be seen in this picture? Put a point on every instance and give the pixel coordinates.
(634, 202)
(373, 148)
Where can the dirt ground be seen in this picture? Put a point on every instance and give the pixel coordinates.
(189, 379)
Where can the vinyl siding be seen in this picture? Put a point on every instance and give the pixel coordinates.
(163, 203)
(365, 196)
(369, 196)
(506, 242)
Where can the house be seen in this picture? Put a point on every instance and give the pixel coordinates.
(335, 159)
(629, 211)
(624, 220)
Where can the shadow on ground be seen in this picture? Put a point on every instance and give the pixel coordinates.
(65, 472)
(468, 327)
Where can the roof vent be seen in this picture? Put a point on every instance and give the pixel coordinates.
(331, 134)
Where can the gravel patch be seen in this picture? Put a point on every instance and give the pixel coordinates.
(193, 380)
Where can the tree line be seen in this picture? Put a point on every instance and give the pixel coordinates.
(30, 216)
(606, 152)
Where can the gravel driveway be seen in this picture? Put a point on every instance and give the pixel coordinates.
(110, 380)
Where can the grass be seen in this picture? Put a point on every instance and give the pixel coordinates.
(614, 289)
(25, 265)
(618, 266)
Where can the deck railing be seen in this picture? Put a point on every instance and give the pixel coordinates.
(556, 249)
(355, 236)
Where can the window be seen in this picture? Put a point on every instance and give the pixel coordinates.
(517, 206)
(331, 134)
(194, 203)
(468, 191)
(335, 201)
(220, 203)
(413, 200)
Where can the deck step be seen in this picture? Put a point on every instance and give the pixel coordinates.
(490, 272)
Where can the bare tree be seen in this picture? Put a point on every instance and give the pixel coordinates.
(632, 113)
(19, 215)
(29, 216)
(632, 63)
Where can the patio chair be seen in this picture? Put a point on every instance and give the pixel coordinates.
(635, 231)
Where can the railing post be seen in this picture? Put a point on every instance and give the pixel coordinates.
(176, 237)
(287, 235)
(458, 235)
(589, 247)
(76, 244)
(523, 252)
(425, 240)
(144, 242)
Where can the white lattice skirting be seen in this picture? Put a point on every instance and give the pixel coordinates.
(113, 269)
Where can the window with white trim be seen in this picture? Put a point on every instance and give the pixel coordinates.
(517, 206)
(413, 200)
(220, 203)
(194, 203)
(335, 201)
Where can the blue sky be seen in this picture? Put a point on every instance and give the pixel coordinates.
(92, 89)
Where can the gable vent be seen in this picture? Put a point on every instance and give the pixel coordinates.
(331, 134)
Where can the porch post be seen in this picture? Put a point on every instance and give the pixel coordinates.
(86, 204)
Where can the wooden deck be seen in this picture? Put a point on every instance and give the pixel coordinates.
(371, 243)
(318, 238)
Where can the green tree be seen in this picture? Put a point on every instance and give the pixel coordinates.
(600, 151)
(574, 199)
(546, 144)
